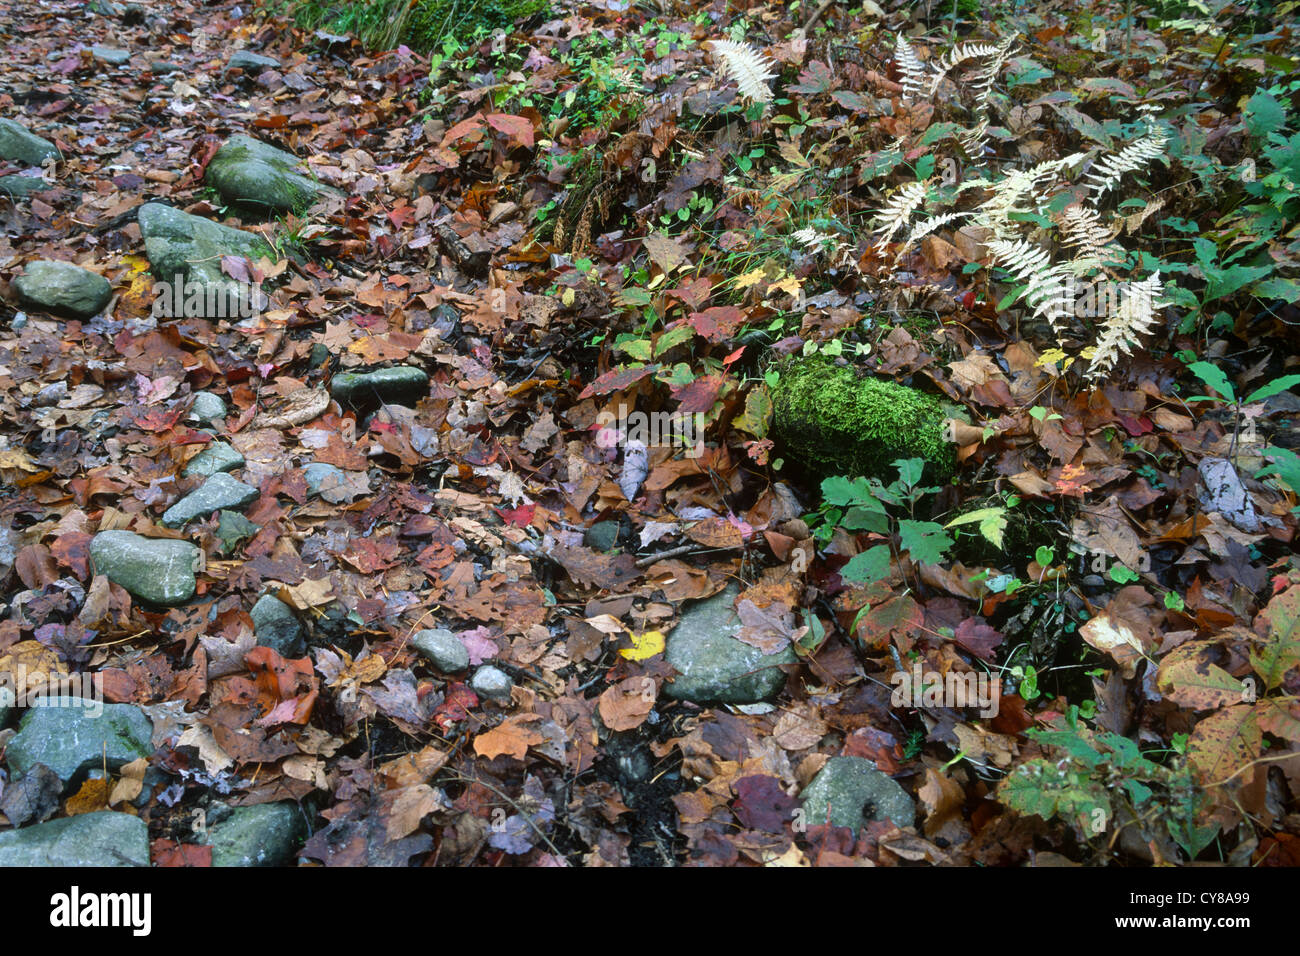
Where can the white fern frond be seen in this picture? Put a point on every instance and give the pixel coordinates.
(1106, 173)
(927, 226)
(1135, 316)
(898, 212)
(982, 85)
(816, 241)
(972, 140)
(749, 68)
(916, 78)
(960, 54)
(1010, 193)
(1082, 230)
(1047, 290)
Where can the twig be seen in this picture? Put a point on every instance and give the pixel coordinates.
(816, 15)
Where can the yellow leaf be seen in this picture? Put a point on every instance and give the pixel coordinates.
(751, 278)
(644, 646)
(789, 284)
(17, 458)
(136, 264)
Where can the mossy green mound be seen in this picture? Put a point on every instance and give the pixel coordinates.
(835, 421)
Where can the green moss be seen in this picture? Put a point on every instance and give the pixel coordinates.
(836, 422)
(422, 25)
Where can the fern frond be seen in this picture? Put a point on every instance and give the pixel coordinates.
(1008, 193)
(748, 67)
(927, 226)
(1046, 290)
(898, 212)
(916, 79)
(982, 85)
(1082, 230)
(1106, 173)
(959, 54)
(972, 140)
(1135, 316)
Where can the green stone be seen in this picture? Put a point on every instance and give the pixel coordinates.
(216, 458)
(19, 143)
(247, 171)
(218, 492)
(712, 665)
(62, 288)
(185, 249)
(277, 627)
(102, 838)
(20, 187)
(158, 570)
(850, 789)
(268, 834)
(396, 385)
(69, 739)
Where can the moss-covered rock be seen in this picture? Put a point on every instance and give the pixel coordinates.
(835, 420)
(248, 172)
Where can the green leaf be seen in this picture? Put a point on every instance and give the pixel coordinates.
(847, 491)
(1213, 376)
(757, 416)
(1275, 387)
(1044, 556)
(925, 541)
(909, 470)
(1122, 575)
(1264, 115)
(869, 566)
(673, 337)
(860, 518)
(1281, 650)
(1037, 787)
(992, 522)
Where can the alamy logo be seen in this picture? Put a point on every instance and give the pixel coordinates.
(917, 688)
(19, 688)
(651, 429)
(75, 909)
(187, 298)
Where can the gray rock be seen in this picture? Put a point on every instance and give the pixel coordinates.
(251, 63)
(62, 288)
(185, 253)
(159, 570)
(110, 55)
(277, 627)
(207, 408)
(19, 143)
(268, 834)
(852, 787)
(248, 171)
(712, 665)
(20, 186)
(325, 480)
(443, 648)
(381, 385)
(489, 681)
(103, 838)
(218, 492)
(216, 458)
(163, 67)
(69, 739)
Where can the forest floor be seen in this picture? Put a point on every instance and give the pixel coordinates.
(499, 632)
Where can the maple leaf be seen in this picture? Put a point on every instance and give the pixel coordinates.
(511, 738)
